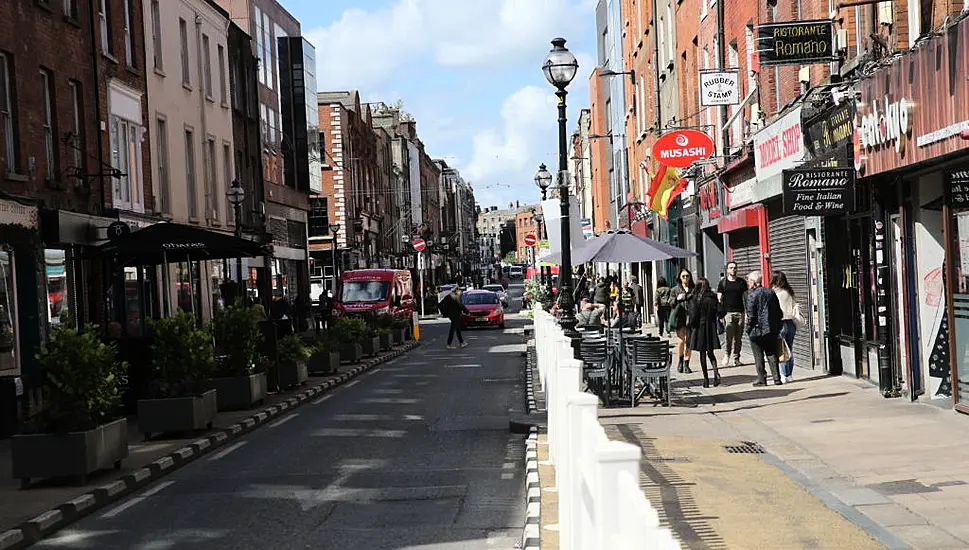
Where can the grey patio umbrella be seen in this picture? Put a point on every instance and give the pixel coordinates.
(625, 247)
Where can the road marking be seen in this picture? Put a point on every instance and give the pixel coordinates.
(135, 500)
(373, 372)
(508, 466)
(227, 450)
(389, 391)
(351, 384)
(468, 366)
(390, 401)
(507, 476)
(358, 432)
(322, 399)
(283, 420)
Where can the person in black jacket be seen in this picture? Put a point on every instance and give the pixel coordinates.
(452, 306)
(683, 295)
(704, 337)
(763, 327)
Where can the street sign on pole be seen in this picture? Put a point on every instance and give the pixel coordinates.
(419, 244)
(531, 240)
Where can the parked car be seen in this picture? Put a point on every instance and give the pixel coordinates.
(500, 291)
(515, 272)
(485, 309)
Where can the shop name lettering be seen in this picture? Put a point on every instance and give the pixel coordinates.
(683, 152)
(819, 201)
(818, 180)
(719, 93)
(834, 131)
(779, 147)
(802, 41)
(880, 128)
(182, 246)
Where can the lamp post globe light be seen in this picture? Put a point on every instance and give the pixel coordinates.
(543, 179)
(334, 229)
(560, 67)
(236, 194)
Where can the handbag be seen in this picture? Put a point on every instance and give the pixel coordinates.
(783, 351)
(721, 328)
(799, 319)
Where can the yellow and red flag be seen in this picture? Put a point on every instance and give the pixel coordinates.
(665, 187)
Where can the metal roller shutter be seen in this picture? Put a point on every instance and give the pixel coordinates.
(788, 253)
(745, 251)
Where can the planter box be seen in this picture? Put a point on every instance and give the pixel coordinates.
(351, 353)
(293, 374)
(69, 454)
(409, 334)
(386, 341)
(177, 414)
(239, 393)
(324, 362)
(371, 346)
(398, 336)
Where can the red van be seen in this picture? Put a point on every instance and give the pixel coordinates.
(376, 291)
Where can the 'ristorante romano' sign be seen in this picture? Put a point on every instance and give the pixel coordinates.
(795, 42)
(818, 191)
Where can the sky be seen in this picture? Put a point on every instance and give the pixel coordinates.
(469, 71)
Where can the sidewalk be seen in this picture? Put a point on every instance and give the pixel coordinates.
(895, 470)
(19, 506)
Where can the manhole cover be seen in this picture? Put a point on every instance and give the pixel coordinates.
(746, 447)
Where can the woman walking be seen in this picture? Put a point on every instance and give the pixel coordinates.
(662, 303)
(785, 295)
(683, 294)
(704, 338)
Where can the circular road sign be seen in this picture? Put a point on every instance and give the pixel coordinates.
(419, 244)
(531, 240)
(682, 148)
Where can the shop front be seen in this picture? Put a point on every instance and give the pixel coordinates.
(911, 148)
(710, 207)
(743, 226)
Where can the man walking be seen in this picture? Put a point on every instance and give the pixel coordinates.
(731, 292)
(763, 327)
(637, 299)
(452, 306)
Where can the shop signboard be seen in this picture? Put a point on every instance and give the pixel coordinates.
(14, 213)
(957, 189)
(828, 135)
(796, 42)
(681, 148)
(819, 191)
(710, 203)
(778, 147)
(719, 87)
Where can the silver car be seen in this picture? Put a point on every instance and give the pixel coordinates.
(500, 291)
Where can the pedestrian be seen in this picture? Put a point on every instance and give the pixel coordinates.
(663, 303)
(638, 299)
(763, 327)
(790, 316)
(589, 316)
(731, 292)
(683, 293)
(704, 337)
(601, 293)
(451, 307)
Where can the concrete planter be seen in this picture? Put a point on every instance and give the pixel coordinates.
(76, 454)
(351, 353)
(293, 374)
(238, 393)
(371, 346)
(408, 334)
(177, 414)
(386, 341)
(324, 362)
(398, 336)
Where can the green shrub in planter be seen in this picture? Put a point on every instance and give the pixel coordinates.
(386, 338)
(77, 434)
(239, 380)
(324, 357)
(292, 354)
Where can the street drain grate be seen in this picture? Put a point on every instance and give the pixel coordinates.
(746, 447)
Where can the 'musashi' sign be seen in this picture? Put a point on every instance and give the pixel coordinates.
(797, 43)
(819, 191)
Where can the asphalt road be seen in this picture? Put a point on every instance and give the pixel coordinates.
(413, 455)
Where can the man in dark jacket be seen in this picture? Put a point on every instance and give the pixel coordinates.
(763, 327)
(451, 307)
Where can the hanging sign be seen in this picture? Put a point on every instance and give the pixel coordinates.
(719, 87)
(819, 191)
(682, 148)
(795, 42)
(957, 189)
(829, 135)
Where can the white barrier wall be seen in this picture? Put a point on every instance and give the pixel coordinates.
(601, 506)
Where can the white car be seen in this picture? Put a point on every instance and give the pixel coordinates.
(500, 291)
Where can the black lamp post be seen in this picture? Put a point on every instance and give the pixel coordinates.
(543, 179)
(560, 68)
(334, 229)
(236, 194)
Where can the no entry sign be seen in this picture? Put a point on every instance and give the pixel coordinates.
(530, 240)
(419, 244)
(682, 148)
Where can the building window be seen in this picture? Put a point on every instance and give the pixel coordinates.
(183, 39)
(126, 138)
(50, 148)
(211, 185)
(70, 8)
(226, 175)
(7, 115)
(164, 175)
(78, 144)
(104, 16)
(319, 219)
(268, 50)
(129, 45)
(207, 66)
(223, 97)
(193, 199)
(156, 35)
(259, 45)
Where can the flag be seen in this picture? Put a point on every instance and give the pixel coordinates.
(666, 186)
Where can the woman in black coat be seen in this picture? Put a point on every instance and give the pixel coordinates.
(704, 337)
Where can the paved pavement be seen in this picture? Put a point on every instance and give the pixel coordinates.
(415, 454)
(843, 467)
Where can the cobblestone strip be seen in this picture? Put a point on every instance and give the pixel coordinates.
(531, 534)
(44, 525)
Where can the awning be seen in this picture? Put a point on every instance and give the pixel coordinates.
(172, 242)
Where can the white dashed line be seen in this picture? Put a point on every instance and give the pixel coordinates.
(135, 500)
(322, 399)
(227, 450)
(283, 420)
(351, 384)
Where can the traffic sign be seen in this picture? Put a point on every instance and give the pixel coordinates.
(530, 239)
(419, 244)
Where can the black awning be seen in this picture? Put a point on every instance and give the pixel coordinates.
(172, 242)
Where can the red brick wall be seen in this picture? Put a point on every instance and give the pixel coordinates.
(335, 179)
(600, 170)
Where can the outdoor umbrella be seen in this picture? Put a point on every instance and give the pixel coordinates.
(625, 247)
(162, 243)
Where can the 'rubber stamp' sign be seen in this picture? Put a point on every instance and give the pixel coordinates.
(795, 42)
(819, 191)
(719, 87)
(957, 189)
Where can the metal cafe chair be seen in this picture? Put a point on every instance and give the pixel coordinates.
(595, 359)
(650, 363)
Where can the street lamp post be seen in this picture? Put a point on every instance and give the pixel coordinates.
(560, 67)
(334, 229)
(236, 194)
